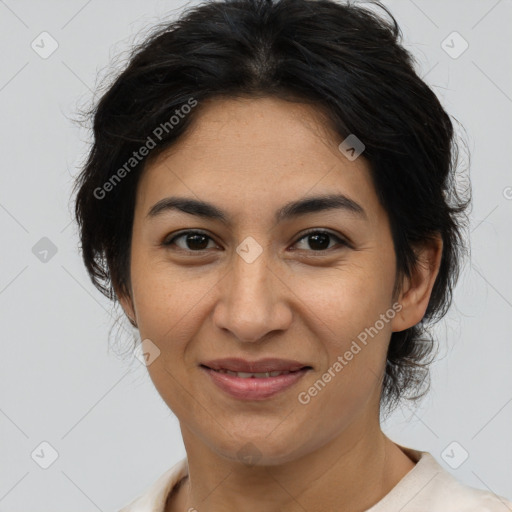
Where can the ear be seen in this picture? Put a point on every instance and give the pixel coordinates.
(416, 289)
(127, 304)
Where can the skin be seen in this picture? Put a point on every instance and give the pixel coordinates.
(249, 157)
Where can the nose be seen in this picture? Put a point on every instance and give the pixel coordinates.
(253, 301)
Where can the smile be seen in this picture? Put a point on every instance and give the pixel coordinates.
(246, 375)
(254, 385)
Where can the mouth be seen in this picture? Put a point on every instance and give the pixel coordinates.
(257, 380)
(261, 366)
(255, 375)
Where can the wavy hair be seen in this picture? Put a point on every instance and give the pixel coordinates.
(346, 61)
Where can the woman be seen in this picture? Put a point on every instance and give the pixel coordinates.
(270, 198)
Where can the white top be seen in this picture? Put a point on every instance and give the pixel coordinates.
(428, 487)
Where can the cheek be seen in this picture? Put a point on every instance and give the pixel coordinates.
(346, 311)
(347, 300)
(168, 303)
(354, 340)
(167, 298)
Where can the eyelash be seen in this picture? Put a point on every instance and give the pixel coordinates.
(341, 241)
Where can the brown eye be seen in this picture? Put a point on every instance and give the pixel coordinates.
(194, 241)
(319, 240)
(197, 241)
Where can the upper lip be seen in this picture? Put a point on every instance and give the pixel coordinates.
(235, 364)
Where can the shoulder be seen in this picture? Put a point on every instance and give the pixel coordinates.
(154, 498)
(428, 487)
(440, 491)
(462, 498)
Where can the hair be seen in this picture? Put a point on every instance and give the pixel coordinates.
(345, 61)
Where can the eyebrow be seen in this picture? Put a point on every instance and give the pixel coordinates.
(290, 210)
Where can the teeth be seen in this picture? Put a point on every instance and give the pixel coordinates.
(259, 375)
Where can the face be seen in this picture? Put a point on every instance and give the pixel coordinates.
(263, 281)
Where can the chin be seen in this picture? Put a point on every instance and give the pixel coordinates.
(259, 449)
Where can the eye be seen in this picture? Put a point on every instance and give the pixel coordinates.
(319, 240)
(197, 241)
(194, 239)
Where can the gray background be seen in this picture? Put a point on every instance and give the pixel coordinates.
(61, 382)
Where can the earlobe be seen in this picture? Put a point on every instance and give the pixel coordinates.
(417, 289)
(126, 303)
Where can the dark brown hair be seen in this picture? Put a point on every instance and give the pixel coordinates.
(342, 58)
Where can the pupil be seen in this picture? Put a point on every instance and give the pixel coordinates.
(194, 238)
(321, 236)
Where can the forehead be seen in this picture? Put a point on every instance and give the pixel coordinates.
(239, 128)
(255, 152)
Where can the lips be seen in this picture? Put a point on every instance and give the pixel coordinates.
(259, 368)
(252, 387)
(254, 380)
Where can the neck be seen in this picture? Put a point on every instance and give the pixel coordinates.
(352, 473)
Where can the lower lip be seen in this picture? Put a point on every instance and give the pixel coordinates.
(254, 388)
